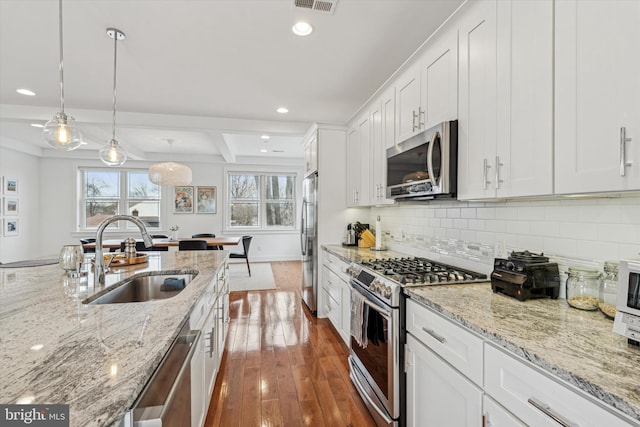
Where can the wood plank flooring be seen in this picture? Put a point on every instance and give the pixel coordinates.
(281, 365)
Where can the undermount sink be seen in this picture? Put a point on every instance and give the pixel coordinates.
(143, 288)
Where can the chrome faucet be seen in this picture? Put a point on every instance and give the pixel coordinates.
(99, 272)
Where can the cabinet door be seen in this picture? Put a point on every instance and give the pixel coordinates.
(477, 124)
(523, 165)
(408, 108)
(210, 333)
(353, 165)
(378, 155)
(364, 158)
(437, 395)
(439, 78)
(495, 415)
(597, 94)
(311, 156)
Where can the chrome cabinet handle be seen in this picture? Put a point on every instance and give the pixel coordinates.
(485, 173)
(420, 118)
(435, 335)
(623, 146)
(546, 409)
(498, 165)
(413, 125)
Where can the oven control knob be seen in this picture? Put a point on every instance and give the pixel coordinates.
(386, 291)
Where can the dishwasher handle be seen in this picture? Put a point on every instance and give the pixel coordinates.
(154, 415)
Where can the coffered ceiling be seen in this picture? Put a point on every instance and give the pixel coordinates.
(209, 74)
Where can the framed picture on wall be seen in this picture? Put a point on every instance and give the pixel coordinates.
(10, 227)
(206, 200)
(183, 199)
(10, 186)
(10, 206)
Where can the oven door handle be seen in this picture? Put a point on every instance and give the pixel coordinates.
(384, 313)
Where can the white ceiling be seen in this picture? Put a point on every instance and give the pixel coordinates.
(208, 73)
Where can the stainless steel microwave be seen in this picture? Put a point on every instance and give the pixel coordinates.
(424, 166)
(627, 321)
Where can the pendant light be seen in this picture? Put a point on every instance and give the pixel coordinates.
(170, 174)
(112, 154)
(60, 132)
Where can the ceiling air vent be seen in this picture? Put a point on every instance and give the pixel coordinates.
(328, 6)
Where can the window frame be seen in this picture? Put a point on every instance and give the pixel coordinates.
(262, 201)
(123, 200)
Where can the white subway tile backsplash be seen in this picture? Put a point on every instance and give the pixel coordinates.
(486, 213)
(561, 213)
(476, 224)
(599, 213)
(583, 229)
(453, 213)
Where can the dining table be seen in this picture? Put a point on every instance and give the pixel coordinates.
(211, 242)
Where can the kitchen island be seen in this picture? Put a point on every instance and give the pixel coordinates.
(96, 358)
(574, 347)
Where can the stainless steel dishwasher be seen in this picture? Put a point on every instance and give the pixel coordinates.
(166, 399)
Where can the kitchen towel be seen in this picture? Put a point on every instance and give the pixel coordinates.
(359, 314)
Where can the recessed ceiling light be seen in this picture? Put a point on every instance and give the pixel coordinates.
(37, 125)
(264, 151)
(265, 137)
(26, 92)
(302, 28)
(282, 110)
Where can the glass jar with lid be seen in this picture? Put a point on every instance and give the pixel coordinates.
(608, 290)
(583, 287)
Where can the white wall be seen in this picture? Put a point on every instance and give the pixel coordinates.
(48, 208)
(585, 231)
(25, 168)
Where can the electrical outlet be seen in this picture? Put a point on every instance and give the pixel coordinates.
(500, 250)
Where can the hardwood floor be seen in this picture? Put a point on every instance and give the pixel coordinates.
(281, 365)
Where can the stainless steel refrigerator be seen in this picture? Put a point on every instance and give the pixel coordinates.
(309, 241)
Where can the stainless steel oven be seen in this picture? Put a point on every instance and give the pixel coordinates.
(375, 349)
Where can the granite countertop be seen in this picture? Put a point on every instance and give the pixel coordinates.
(573, 345)
(96, 358)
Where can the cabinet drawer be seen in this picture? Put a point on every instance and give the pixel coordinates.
(519, 387)
(332, 284)
(332, 309)
(337, 265)
(461, 348)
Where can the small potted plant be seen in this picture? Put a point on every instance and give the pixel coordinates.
(173, 232)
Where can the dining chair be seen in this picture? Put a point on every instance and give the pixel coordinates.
(88, 240)
(140, 247)
(211, 235)
(192, 245)
(246, 241)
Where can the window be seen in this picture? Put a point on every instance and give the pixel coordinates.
(107, 192)
(261, 201)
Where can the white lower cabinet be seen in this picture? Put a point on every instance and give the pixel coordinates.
(494, 415)
(537, 399)
(335, 294)
(437, 394)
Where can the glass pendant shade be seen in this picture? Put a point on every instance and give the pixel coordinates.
(112, 154)
(170, 174)
(61, 134)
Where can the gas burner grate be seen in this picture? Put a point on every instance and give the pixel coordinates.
(421, 271)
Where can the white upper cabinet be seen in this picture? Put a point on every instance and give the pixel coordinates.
(358, 161)
(409, 113)
(382, 137)
(597, 88)
(353, 164)
(477, 126)
(506, 99)
(311, 156)
(524, 157)
(439, 79)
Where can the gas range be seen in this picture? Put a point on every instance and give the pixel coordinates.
(386, 276)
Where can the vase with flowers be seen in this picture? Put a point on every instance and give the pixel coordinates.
(173, 232)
